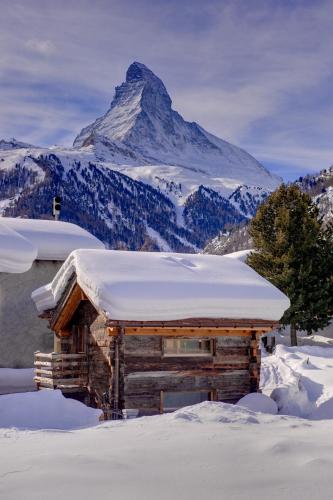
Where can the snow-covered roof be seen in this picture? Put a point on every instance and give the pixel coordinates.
(149, 286)
(16, 252)
(24, 240)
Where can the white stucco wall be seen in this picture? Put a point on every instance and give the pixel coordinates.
(21, 331)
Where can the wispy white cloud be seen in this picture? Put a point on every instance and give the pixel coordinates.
(44, 47)
(256, 73)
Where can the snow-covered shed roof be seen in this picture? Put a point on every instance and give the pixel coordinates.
(149, 286)
(24, 240)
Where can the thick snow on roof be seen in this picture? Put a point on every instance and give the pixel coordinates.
(150, 286)
(16, 253)
(24, 240)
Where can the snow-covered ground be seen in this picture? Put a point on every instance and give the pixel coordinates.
(300, 380)
(16, 380)
(211, 450)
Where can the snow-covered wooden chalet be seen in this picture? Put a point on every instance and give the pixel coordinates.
(146, 333)
(31, 253)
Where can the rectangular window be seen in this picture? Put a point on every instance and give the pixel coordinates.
(171, 401)
(187, 347)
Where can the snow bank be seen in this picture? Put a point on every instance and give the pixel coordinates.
(165, 457)
(259, 403)
(300, 380)
(16, 380)
(323, 411)
(165, 286)
(214, 411)
(45, 410)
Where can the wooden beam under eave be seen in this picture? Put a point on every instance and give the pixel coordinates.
(189, 332)
(68, 311)
(247, 324)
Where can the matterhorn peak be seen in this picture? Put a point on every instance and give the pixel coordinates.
(137, 103)
(141, 119)
(138, 71)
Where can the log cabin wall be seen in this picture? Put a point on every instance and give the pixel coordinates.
(148, 373)
(97, 347)
(144, 373)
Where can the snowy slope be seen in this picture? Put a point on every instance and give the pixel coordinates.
(136, 171)
(246, 200)
(141, 118)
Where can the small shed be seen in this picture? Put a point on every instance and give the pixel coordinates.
(31, 253)
(145, 333)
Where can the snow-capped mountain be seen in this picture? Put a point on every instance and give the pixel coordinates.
(138, 177)
(141, 119)
(320, 187)
(13, 144)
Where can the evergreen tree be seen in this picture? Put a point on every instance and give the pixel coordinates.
(294, 251)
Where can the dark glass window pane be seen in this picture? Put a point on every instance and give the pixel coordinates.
(174, 400)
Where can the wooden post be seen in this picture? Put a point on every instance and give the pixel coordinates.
(116, 379)
(293, 334)
(253, 365)
(118, 340)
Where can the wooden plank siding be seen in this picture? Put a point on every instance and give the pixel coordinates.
(147, 372)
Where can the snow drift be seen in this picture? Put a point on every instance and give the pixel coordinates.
(300, 380)
(16, 380)
(45, 410)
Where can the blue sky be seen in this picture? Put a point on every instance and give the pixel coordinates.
(257, 73)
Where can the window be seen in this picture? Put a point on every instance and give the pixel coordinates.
(187, 347)
(171, 401)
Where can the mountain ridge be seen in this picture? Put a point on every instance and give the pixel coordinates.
(138, 177)
(319, 186)
(141, 117)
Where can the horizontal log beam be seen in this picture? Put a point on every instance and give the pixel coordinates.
(54, 356)
(188, 332)
(60, 373)
(71, 365)
(252, 324)
(78, 382)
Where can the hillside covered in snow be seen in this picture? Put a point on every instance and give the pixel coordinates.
(139, 177)
(318, 186)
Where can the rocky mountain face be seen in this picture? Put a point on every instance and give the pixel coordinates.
(319, 187)
(139, 177)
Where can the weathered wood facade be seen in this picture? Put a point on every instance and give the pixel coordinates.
(126, 365)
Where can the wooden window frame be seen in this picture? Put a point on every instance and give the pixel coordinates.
(210, 354)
